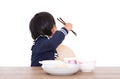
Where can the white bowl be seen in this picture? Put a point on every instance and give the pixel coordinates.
(56, 67)
(87, 66)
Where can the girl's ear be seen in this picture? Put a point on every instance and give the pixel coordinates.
(54, 29)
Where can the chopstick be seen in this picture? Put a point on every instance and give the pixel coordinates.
(63, 22)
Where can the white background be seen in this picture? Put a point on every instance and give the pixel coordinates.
(97, 23)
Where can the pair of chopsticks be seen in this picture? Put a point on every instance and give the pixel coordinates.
(63, 22)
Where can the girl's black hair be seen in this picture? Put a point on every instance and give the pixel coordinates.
(41, 24)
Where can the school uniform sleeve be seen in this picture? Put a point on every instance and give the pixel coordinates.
(57, 38)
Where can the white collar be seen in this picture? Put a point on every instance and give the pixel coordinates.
(42, 36)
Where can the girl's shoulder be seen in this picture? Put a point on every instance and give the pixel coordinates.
(40, 38)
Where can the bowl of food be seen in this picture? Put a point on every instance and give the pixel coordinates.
(71, 60)
(57, 67)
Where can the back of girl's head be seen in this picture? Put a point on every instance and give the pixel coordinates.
(41, 24)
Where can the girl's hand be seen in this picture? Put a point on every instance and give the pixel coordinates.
(68, 26)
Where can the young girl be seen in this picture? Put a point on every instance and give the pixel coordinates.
(46, 37)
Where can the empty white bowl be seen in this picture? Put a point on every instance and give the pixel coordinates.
(57, 67)
(87, 65)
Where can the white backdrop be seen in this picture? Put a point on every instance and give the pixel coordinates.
(97, 23)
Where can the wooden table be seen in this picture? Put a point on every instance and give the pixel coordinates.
(38, 73)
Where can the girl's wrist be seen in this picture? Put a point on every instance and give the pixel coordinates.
(64, 30)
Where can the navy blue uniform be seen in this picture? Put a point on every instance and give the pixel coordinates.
(44, 48)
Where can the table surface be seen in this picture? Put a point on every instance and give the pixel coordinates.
(38, 73)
